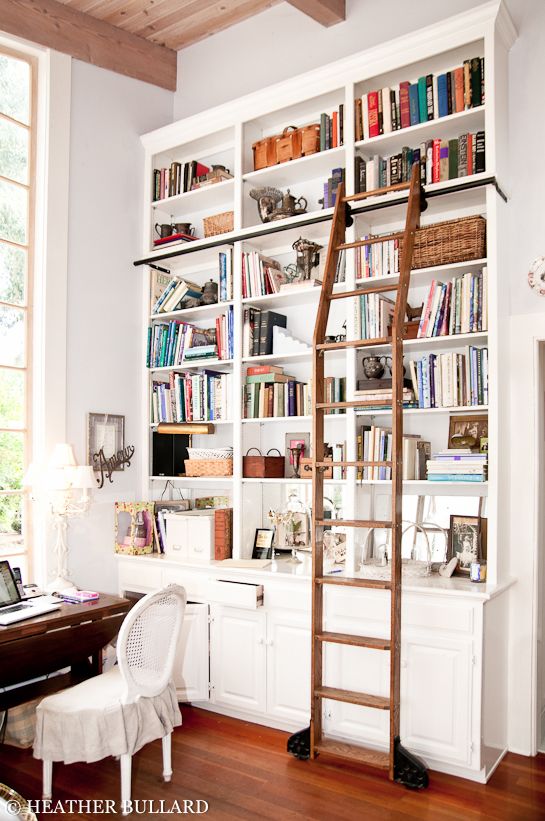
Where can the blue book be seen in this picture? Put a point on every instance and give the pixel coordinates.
(414, 108)
(442, 95)
(420, 381)
(455, 477)
(223, 277)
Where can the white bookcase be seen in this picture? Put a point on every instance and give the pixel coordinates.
(451, 625)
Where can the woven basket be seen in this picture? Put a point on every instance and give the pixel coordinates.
(208, 467)
(451, 241)
(218, 224)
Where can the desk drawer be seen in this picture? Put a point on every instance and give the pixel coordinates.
(195, 584)
(236, 594)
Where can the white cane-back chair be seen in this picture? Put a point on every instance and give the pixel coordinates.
(119, 711)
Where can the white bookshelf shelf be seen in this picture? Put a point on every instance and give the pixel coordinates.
(424, 411)
(153, 425)
(199, 198)
(195, 480)
(437, 343)
(189, 366)
(300, 356)
(285, 481)
(201, 312)
(315, 165)
(293, 419)
(423, 276)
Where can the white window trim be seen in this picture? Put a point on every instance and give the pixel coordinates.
(48, 424)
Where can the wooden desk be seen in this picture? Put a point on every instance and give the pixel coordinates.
(70, 637)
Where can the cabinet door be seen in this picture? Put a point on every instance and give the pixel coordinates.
(288, 666)
(238, 658)
(191, 663)
(436, 696)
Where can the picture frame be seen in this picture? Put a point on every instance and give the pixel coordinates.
(292, 440)
(263, 543)
(105, 431)
(159, 524)
(465, 542)
(467, 427)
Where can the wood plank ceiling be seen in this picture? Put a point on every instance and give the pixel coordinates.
(179, 23)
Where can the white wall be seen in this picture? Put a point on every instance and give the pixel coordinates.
(108, 114)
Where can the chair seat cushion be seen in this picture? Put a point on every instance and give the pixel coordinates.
(89, 721)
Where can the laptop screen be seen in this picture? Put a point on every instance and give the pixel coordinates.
(8, 589)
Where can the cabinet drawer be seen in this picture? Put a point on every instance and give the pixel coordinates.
(195, 584)
(236, 594)
(437, 615)
(139, 577)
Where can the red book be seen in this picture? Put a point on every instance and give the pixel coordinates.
(404, 106)
(335, 130)
(436, 161)
(443, 330)
(172, 238)
(255, 370)
(459, 88)
(372, 107)
(425, 317)
(201, 169)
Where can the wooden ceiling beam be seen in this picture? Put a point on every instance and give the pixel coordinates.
(326, 12)
(65, 29)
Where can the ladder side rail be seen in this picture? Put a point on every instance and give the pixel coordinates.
(398, 325)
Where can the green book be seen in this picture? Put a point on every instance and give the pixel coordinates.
(452, 159)
(269, 377)
(422, 100)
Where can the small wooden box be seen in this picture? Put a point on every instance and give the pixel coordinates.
(288, 144)
(263, 467)
(310, 139)
(264, 153)
(410, 329)
(305, 468)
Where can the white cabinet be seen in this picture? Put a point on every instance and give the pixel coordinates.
(288, 666)
(191, 663)
(237, 658)
(436, 697)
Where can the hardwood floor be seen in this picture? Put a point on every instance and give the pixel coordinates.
(243, 772)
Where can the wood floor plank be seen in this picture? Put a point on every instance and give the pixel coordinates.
(243, 771)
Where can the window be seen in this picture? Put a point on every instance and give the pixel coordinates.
(17, 155)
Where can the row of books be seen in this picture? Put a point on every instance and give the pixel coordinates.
(182, 177)
(269, 392)
(457, 465)
(257, 331)
(260, 275)
(377, 260)
(373, 315)
(374, 444)
(200, 396)
(332, 129)
(177, 292)
(335, 391)
(456, 307)
(430, 97)
(331, 186)
(170, 344)
(451, 379)
(376, 394)
(337, 453)
(438, 160)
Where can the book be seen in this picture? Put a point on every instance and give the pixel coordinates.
(268, 320)
(223, 533)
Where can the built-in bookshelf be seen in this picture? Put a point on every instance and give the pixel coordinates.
(224, 137)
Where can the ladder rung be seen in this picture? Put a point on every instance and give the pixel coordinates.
(356, 641)
(354, 343)
(351, 581)
(354, 753)
(374, 289)
(353, 403)
(352, 697)
(370, 241)
(399, 186)
(359, 464)
(353, 523)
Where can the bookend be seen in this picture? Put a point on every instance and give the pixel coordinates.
(299, 744)
(349, 219)
(409, 770)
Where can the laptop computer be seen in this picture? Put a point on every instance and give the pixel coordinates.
(12, 606)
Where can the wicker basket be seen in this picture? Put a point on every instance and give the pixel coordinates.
(451, 241)
(208, 467)
(218, 224)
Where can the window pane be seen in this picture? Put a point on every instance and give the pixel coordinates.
(12, 399)
(13, 262)
(11, 460)
(14, 141)
(11, 509)
(12, 336)
(15, 88)
(13, 212)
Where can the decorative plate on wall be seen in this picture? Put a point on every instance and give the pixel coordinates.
(536, 276)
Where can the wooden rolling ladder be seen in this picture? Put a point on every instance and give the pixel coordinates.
(401, 765)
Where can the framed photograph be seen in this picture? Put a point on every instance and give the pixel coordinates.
(106, 432)
(263, 543)
(467, 431)
(291, 441)
(464, 542)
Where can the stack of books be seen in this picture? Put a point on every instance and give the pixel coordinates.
(374, 444)
(438, 160)
(260, 275)
(332, 129)
(457, 307)
(331, 186)
(451, 379)
(335, 391)
(457, 465)
(257, 331)
(170, 344)
(373, 315)
(377, 260)
(200, 396)
(269, 392)
(173, 296)
(376, 394)
(182, 177)
(428, 98)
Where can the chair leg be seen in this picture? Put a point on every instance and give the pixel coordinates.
(167, 757)
(47, 778)
(126, 762)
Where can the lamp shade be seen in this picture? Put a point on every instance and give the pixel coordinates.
(34, 476)
(62, 456)
(84, 478)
